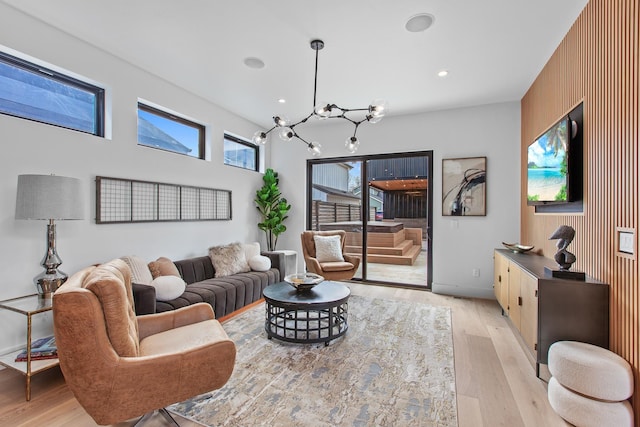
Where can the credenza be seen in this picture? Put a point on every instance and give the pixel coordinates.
(546, 309)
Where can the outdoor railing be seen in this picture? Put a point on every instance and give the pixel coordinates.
(326, 212)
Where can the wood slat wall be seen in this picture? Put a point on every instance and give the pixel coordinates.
(597, 63)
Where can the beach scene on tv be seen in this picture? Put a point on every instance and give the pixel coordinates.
(547, 166)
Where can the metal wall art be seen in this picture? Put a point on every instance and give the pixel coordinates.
(127, 200)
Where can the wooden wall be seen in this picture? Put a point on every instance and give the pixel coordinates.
(597, 63)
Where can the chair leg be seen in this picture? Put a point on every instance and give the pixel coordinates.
(143, 419)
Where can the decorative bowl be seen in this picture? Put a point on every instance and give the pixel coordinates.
(517, 248)
(303, 281)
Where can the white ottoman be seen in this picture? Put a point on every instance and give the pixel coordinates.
(584, 412)
(590, 385)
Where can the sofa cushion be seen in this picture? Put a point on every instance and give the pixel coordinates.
(228, 260)
(163, 267)
(168, 287)
(139, 269)
(336, 266)
(259, 263)
(328, 249)
(226, 294)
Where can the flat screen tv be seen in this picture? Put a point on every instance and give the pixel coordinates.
(551, 164)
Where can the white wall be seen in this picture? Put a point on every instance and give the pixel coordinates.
(460, 244)
(30, 147)
(34, 148)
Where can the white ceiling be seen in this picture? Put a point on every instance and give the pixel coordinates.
(493, 49)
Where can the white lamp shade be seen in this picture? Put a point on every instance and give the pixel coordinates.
(49, 197)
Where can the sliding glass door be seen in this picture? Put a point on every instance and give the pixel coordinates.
(384, 203)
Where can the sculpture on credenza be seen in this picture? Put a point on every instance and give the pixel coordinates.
(563, 257)
(564, 234)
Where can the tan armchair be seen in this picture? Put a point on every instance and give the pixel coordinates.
(120, 366)
(330, 270)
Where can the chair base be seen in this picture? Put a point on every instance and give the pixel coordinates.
(143, 419)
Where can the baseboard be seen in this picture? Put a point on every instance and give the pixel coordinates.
(462, 291)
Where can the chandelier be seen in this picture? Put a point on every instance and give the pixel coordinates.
(287, 130)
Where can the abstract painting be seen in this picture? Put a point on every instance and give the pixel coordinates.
(464, 186)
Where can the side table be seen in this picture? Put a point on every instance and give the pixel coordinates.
(290, 261)
(29, 306)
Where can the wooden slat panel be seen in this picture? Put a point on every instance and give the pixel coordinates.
(597, 63)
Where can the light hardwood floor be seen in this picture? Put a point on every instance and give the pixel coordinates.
(496, 383)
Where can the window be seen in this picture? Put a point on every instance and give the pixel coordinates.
(241, 153)
(36, 93)
(166, 131)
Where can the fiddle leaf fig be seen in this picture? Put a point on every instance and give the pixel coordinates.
(272, 207)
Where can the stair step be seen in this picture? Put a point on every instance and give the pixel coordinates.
(407, 259)
(401, 249)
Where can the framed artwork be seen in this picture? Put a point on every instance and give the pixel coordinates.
(464, 186)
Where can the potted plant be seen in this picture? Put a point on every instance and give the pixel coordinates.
(273, 208)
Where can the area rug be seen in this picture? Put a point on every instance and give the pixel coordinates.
(394, 367)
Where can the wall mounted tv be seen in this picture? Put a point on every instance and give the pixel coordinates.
(554, 164)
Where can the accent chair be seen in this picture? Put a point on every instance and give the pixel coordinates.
(121, 366)
(333, 264)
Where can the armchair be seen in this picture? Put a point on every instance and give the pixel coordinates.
(120, 366)
(330, 270)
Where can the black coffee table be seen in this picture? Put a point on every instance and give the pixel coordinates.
(315, 315)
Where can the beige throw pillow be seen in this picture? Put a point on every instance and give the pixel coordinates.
(251, 250)
(163, 267)
(328, 248)
(139, 269)
(228, 259)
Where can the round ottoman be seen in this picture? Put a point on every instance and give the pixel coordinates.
(591, 370)
(584, 412)
(590, 385)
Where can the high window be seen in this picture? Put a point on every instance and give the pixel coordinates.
(166, 131)
(240, 152)
(33, 92)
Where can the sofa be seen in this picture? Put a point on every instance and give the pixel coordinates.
(225, 294)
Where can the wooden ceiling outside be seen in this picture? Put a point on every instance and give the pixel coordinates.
(399, 184)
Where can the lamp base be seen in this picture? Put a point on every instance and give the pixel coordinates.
(48, 282)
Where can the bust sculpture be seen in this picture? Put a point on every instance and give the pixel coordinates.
(563, 257)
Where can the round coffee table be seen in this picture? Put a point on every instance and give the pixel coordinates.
(315, 315)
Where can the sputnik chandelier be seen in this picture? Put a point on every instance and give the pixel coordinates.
(288, 131)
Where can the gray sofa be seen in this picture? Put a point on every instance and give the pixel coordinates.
(224, 294)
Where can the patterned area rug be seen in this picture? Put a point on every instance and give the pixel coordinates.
(393, 367)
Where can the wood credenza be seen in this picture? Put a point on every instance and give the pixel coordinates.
(546, 309)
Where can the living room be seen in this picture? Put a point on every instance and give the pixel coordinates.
(497, 130)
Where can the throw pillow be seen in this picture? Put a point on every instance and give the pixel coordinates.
(228, 260)
(260, 263)
(251, 249)
(163, 267)
(168, 287)
(139, 269)
(328, 248)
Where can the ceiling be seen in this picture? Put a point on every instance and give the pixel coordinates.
(493, 49)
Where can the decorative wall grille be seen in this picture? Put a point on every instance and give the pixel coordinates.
(128, 200)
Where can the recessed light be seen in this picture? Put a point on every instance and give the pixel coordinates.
(443, 73)
(282, 100)
(420, 22)
(252, 62)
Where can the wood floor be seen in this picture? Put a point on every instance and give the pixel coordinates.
(496, 383)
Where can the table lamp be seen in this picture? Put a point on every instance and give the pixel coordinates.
(49, 197)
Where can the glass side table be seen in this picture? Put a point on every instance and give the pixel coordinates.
(29, 306)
